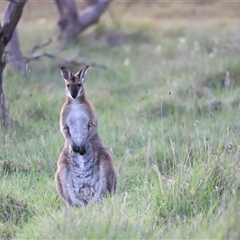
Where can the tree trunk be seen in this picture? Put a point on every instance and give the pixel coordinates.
(14, 54)
(14, 13)
(4, 116)
(68, 18)
(71, 24)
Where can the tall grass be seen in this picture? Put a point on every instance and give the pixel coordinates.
(164, 113)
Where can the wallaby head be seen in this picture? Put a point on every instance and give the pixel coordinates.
(74, 83)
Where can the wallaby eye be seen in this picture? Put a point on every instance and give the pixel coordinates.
(68, 85)
(79, 85)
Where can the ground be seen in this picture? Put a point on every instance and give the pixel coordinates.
(166, 111)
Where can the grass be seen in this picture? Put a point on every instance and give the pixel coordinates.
(172, 126)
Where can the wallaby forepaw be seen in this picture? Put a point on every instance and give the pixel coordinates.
(75, 148)
(82, 150)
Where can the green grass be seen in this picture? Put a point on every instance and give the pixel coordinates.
(176, 153)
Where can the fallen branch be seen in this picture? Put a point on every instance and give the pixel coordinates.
(71, 61)
(54, 55)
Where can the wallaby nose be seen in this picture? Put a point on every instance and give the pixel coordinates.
(74, 94)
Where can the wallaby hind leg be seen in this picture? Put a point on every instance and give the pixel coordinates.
(107, 177)
(68, 194)
(109, 172)
(61, 190)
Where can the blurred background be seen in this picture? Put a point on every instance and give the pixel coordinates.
(164, 81)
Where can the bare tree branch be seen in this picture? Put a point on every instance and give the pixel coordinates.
(71, 24)
(91, 14)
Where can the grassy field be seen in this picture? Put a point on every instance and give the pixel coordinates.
(164, 110)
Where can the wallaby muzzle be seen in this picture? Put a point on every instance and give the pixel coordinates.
(74, 94)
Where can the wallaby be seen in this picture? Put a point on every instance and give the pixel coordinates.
(85, 170)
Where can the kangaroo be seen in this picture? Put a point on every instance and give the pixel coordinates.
(85, 170)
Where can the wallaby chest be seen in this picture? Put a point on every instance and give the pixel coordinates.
(77, 121)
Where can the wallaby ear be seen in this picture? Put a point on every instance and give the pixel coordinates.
(67, 74)
(81, 74)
